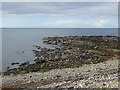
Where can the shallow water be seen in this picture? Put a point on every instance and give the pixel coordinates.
(17, 43)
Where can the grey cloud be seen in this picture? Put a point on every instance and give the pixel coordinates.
(62, 9)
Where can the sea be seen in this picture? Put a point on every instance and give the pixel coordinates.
(17, 43)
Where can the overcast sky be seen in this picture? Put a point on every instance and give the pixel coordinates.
(60, 15)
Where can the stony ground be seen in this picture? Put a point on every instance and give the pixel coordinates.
(101, 75)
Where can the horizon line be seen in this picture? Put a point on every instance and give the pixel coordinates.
(49, 28)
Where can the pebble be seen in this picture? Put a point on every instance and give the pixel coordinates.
(94, 81)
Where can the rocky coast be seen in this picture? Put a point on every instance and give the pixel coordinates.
(102, 75)
(75, 62)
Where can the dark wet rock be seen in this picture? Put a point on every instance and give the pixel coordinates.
(35, 50)
(25, 63)
(38, 47)
(15, 63)
(8, 67)
(58, 76)
(104, 84)
(41, 61)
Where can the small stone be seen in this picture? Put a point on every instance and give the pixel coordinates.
(24, 78)
(74, 83)
(86, 84)
(29, 81)
(80, 85)
(38, 87)
(58, 75)
(104, 84)
(71, 87)
(88, 71)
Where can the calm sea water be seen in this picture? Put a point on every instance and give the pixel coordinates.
(17, 43)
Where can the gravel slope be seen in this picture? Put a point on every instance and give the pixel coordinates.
(88, 76)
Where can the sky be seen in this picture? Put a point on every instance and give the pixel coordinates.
(60, 14)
